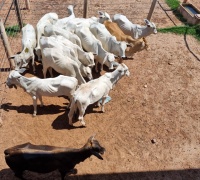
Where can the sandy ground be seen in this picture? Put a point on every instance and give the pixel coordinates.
(159, 101)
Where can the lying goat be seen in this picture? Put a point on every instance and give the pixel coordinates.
(94, 91)
(45, 159)
(36, 87)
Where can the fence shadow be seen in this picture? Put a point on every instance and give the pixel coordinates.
(187, 174)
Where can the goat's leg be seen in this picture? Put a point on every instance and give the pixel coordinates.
(50, 71)
(81, 114)
(71, 113)
(63, 173)
(33, 62)
(41, 102)
(44, 71)
(103, 103)
(101, 67)
(96, 66)
(34, 105)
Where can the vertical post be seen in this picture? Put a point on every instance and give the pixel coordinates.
(85, 9)
(18, 13)
(27, 4)
(6, 44)
(151, 9)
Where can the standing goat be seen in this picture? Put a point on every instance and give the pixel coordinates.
(94, 91)
(45, 159)
(36, 87)
(28, 45)
(134, 30)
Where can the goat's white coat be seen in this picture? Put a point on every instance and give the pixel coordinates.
(94, 91)
(49, 18)
(134, 30)
(36, 87)
(54, 58)
(63, 21)
(53, 42)
(108, 41)
(91, 44)
(28, 45)
(50, 30)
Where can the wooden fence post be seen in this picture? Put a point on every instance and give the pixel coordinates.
(151, 9)
(85, 9)
(17, 9)
(27, 4)
(6, 44)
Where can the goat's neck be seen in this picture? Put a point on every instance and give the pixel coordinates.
(24, 82)
(116, 76)
(80, 155)
(142, 31)
(101, 51)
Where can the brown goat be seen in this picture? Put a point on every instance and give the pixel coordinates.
(45, 159)
(136, 44)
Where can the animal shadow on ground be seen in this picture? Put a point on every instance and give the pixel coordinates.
(62, 121)
(28, 109)
(186, 174)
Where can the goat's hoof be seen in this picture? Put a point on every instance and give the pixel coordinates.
(83, 123)
(34, 115)
(71, 125)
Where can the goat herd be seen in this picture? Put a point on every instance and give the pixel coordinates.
(72, 47)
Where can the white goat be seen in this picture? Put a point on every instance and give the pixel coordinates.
(94, 91)
(134, 30)
(36, 87)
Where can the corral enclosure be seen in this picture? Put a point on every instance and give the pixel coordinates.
(151, 125)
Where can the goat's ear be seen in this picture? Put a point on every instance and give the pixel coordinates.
(21, 71)
(74, 6)
(147, 22)
(100, 13)
(129, 45)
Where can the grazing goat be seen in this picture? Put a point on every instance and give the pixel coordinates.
(94, 91)
(45, 159)
(54, 42)
(91, 44)
(28, 45)
(54, 58)
(36, 87)
(108, 41)
(47, 19)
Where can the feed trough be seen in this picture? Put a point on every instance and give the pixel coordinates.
(190, 13)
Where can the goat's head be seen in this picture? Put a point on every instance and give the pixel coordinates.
(151, 26)
(12, 79)
(123, 69)
(95, 148)
(104, 16)
(70, 9)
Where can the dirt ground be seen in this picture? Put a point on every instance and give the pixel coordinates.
(159, 101)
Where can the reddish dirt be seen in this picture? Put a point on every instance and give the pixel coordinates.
(159, 101)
